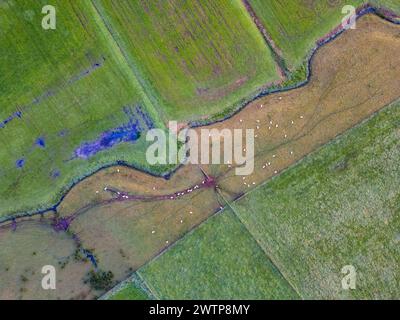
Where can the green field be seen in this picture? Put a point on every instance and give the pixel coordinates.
(130, 293)
(134, 289)
(296, 25)
(219, 260)
(63, 88)
(193, 57)
(339, 206)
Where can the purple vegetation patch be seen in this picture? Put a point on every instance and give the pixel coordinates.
(126, 133)
(55, 174)
(145, 117)
(20, 163)
(129, 132)
(138, 113)
(63, 133)
(51, 92)
(91, 257)
(17, 114)
(14, 225)
(62, 224)
(87, 71)
(40, 142)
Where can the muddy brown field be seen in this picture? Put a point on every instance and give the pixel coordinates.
(353, 77)
(26, 250)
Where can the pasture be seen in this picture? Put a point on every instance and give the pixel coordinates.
(340, 206)
(341, 93)
(257, 216)
(337, 207)
(130, 292)
(157, 212)
(81, 97)
(135, 230)
(393, 5)
(127, 217)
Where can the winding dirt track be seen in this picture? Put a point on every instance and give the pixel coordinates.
(354, 76)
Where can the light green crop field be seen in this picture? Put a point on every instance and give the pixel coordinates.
(194, 58)
(296, 25)
(219, 260)
(338, 207)
(59, 89)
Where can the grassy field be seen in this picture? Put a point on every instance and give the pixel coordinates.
(192, 56)
(134, 289)
(340, 206)
(131, 292)
(219, 260)
(66, 87)
(296, 25)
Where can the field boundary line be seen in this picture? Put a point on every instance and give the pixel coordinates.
(275, 50)
(267, 255)
(148, 286)
(167, 248)
(172, 245)
(150, 96)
